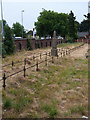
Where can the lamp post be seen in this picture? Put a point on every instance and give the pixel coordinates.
(2, 21)
(22, 21)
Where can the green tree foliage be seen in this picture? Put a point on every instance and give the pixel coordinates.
(2, 48)
(29, 44)
(48, 21)
(72, 27)
(85, 24)
(18, 29)
(8, 41)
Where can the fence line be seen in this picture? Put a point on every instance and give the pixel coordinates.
(63, 53)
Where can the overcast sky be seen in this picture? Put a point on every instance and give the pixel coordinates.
(32, 8)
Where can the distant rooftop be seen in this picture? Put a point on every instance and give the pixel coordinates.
(82, 34)
(19, 38)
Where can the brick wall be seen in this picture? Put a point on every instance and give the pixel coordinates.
(22, 43)
(83, 40)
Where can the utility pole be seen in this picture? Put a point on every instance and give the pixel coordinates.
(22, 21)
(2, 20)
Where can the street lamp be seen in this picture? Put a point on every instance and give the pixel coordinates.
(22, 21)
(2, 21)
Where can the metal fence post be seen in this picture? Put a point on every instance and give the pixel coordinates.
(33, 58)
(24, 71)
(49, 53)
(12, 64)
(4, 78)
(52, 60)
(25, 61)
(46, 54)
(40, 55)
(37, 66)
(61, 53)
(46, 61)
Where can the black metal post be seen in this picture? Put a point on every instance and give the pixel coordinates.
(37, 66)
(24, 71)
(25, 61)
(52, 60)
(46, 61)
(4, 78)
(40, 55)
(61, 54)
(49, 53)
(33, 57)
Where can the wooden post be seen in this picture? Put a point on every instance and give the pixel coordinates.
(24, 71)
(4, 78)
(37, 66)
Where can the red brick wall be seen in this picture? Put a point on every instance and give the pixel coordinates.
(22, 43)
(83, 40)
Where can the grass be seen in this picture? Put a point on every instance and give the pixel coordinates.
(21, 102)
(7, 103)
(69, 44)
(77, 109)
(58, 90)
(50, 109)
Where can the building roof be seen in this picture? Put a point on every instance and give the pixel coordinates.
(82, 34)
(20, 38)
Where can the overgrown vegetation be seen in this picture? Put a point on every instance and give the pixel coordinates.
(58, 90)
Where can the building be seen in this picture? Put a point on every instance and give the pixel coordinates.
(83, 37)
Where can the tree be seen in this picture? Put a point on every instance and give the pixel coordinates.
(85, 24)
(2, 47)
(48, 21)
(8, 41)
(72, 29)
(18, 29)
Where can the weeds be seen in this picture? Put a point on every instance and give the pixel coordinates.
(7, 103)
(51, 110)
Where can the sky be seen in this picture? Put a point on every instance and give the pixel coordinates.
(32, 8)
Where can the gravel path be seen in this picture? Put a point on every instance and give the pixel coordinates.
(80, 53)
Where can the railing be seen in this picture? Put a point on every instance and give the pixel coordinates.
(61, 53)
